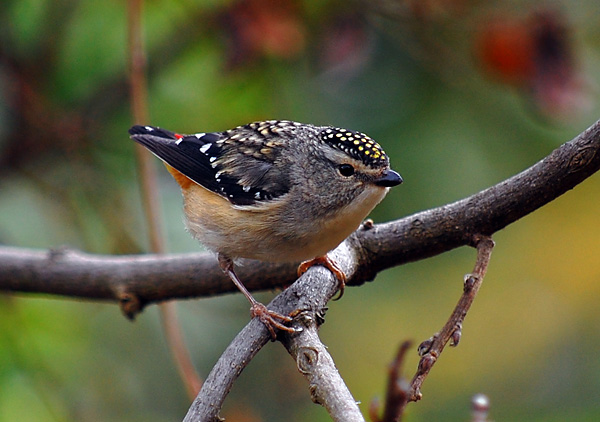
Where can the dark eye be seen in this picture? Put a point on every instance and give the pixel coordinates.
(346, 170)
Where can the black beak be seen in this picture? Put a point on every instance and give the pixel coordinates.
(388, 179)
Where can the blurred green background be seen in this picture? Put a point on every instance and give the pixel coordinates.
(461, 94)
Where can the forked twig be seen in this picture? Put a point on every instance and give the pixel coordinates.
(431, 349)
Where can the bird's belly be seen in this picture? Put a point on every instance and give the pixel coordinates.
(269, 239)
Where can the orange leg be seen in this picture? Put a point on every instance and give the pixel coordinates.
(331, 265)
(257, 309)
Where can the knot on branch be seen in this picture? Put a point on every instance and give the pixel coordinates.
(130, 304)
(581, 158)
(417, 228)
(57, 254)
(307, 359)
(470, 280)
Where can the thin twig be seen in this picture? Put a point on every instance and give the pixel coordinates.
(150, 200)
(397, 387)
(396, 392)
(430, 350)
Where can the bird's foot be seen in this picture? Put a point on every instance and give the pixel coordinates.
(270, 319)
(331, 265)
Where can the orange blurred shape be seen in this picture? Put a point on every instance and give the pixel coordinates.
(536, 54)
(265, 27)
(507, 50)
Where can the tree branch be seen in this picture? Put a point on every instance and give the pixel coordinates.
(141, 280)
(306, 299)
(132, 280)
(135, 281)
(438, 230)
(314, 362)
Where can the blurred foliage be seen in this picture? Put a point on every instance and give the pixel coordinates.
(461, 94)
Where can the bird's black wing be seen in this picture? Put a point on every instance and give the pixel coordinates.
(203, 157)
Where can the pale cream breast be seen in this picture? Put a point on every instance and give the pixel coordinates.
(209, 217)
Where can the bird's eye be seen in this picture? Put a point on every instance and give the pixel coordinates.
(346, 170)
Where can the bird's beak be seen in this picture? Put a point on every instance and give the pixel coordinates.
(388, 179)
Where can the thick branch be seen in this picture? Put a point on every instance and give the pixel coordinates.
(154, 278)
(438, 230)
(149, 278)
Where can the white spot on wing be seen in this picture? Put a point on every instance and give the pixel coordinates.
(149, 128)
(199, 135)
(205, 148)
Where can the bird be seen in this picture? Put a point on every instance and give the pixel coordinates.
(274, 191)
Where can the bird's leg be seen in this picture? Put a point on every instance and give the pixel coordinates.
(257, 309)
(331, 266)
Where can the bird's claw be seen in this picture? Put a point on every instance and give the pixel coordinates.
(270, 319)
